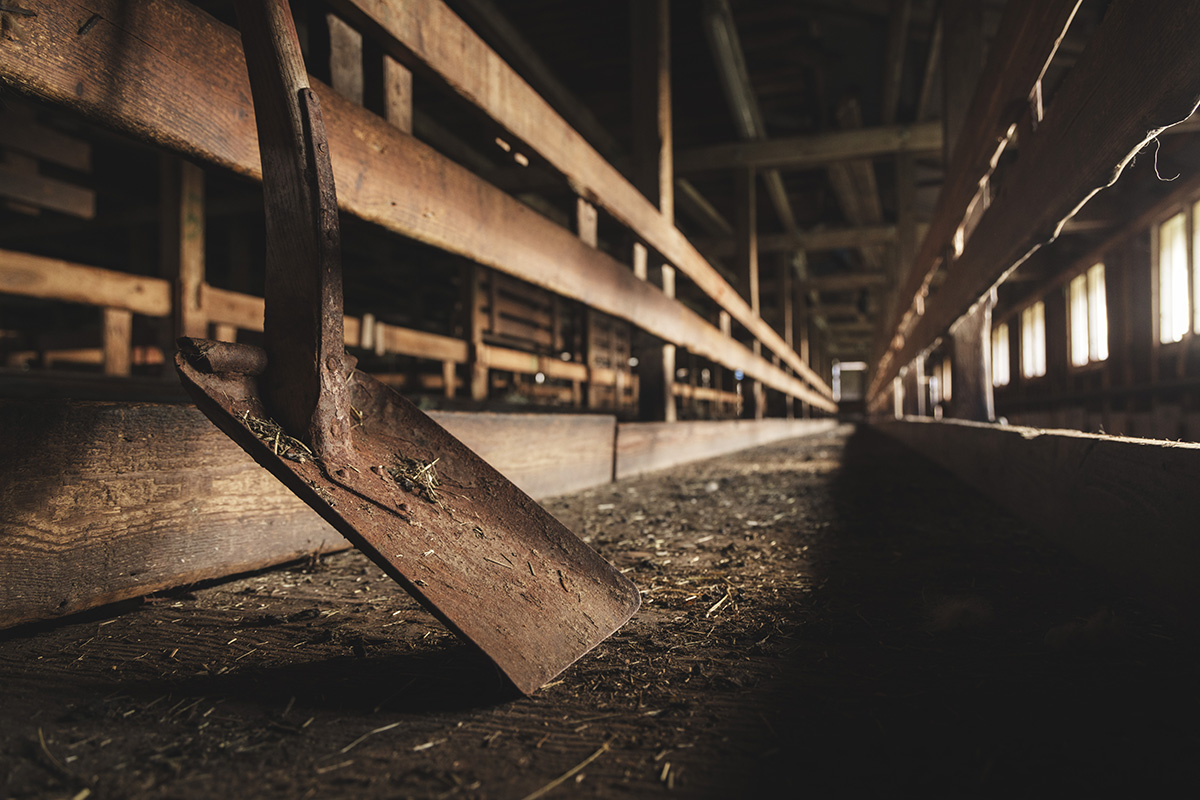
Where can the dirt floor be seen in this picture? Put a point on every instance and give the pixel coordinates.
(828, 616)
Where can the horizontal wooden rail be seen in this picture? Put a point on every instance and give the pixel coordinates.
(815, 150)
(1137, 75)
(54, 279)
(101, 502)
(197, 101)
(426, 34)
(1127, 506)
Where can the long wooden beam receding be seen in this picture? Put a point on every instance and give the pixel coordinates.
(815, 150)
(1107, 109)
(1026, 41)
(1126, 506)
(198, 102)
(54, 279)
(846, 282)
(829, 239)
(427, 35)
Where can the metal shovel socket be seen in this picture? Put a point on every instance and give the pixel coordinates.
(492, 564)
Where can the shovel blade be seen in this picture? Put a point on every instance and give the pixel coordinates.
(491, 563)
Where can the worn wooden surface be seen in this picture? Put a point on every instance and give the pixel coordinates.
(1127, 506)
(54, 279)
(429, 35)
(198, 103)
(648, 446)
(102, 501)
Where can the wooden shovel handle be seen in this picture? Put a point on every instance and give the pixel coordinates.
(304, 384)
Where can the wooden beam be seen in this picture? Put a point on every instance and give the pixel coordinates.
(893, 62)
(44, 192)
(653, 158)
(45, 143)
(107, 501)
(962, 65)
(182, 241)
(430, 36)
(199, 103)
(1026, 41)
(1125, 506)
(845, 282)
(118, 341)
(812, 240)
(648, 446)
(53, 279)
(815, 150)
(1080, 147)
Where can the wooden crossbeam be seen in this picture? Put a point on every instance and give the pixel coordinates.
(830, 239)
(816, 150)
(198, 103)
(845, 282)
(54, 279)
(1108, 107)
(427, 35)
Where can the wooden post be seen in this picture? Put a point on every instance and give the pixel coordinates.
(118, 341)
(787, 297)
(962, 64)
(387, 87)
(477, 367)
(970, 373)
(653, 161)
(345, 59)
(182, 209)
(746, 230)
(654, 176)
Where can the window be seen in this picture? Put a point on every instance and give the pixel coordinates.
(1000, 355)
(1088, 311)
(1033, 340)
(1173, 296)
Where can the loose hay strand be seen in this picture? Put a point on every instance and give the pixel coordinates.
(569, 773)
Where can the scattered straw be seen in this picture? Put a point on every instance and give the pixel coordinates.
(413, 476)
(269, 432)
(566, 776)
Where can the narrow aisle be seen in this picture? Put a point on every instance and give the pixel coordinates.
(830, 615)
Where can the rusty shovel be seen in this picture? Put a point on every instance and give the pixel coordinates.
(492, 564)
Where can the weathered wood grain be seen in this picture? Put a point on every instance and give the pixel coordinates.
(54, 279)
(648, 446)
(1126, 506)
(197, 102)
(429, 35)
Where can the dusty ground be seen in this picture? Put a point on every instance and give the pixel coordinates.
(823, 616)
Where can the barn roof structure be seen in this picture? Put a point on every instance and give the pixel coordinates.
(595, 241)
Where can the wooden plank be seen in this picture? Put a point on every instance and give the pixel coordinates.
(49, 193)
(648, 446)
(46, 144)
(198, 103)
(345, 59)
(101, 502)
(1080, 147)
(118, 341)
(421, 344)
(1026, 41)
(428, 34)
(653, 157)
(814, 150)
(1126, 506)
(845, 282)
(543, 454)
(53, 279)
(182, 242)
(232, 308)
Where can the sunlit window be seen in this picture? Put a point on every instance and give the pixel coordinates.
(1173, 298)
(1000, 355)
(1033, 340)
(1088, 312)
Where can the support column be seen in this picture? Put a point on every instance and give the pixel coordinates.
(970, 371)
(182, 258)
(654, 176)
(746, 231)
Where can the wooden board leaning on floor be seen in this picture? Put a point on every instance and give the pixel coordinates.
(1126, 506)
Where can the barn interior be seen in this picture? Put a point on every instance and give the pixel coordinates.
(856, 333)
